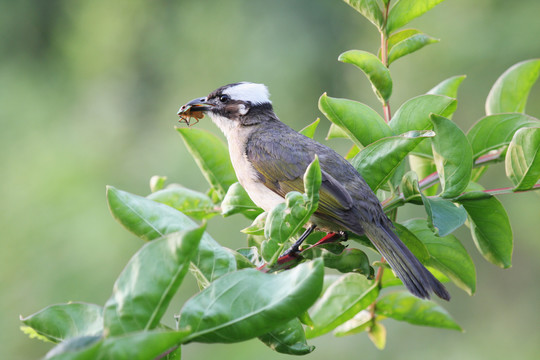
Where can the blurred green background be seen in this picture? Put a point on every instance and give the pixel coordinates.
(88, 97)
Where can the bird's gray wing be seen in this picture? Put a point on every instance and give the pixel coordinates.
(281, 166)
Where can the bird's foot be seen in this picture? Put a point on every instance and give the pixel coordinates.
(332, 237)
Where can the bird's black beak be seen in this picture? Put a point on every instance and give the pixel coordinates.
(195, 105)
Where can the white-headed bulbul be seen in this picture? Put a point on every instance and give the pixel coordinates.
(270, 159)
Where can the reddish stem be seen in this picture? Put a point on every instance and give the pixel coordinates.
(286, 261)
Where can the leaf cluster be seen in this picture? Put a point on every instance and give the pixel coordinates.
(418, 156)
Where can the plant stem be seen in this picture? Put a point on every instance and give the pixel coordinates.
(387, 117)
(509, 190)
(384, 59)
(397, 200)
(431, 179)
(387, 113)
(378, 279)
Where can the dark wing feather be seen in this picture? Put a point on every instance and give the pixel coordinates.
(281, 167)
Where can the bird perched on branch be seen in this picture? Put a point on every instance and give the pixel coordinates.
(270, 159)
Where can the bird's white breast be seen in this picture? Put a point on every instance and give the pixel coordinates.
(246, 174)
(262, 196)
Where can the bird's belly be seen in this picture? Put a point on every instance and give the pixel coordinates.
(263, 197)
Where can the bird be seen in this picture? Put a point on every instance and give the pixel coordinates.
(270, 159)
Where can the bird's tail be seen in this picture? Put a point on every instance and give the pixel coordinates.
(418, 280)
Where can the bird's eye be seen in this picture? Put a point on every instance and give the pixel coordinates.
(224, 98)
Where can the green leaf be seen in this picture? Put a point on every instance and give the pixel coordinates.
(443, 215)
(414, 113)
(150, 220)
(348, 260)
(286, 219)
(490, 228)
(359, 122)
(157, 183)
(410, 189)
(142, 292)
(312, 181)
(510, 91)
(257, 226)
(342, 300)
(404, 11)
(377, 335)
(335, 132)
(446, 255)
(248, 303)
(389, 279)
(453, 156)
(212, 157)
(247, 258)
(65, 321)
(448, 87)
(376, 72)
(403, 306)
(406, 42)
(252, 255)
(143, 217)
(370, 10)
(359, 323)
(423, 167)
(141, 345)
(377, 162)
(413, 243)
(304, 318)
(237, 201)
(288, 339)
(493, 132)
(309, 130)
(353, 151)
(523, 158)
(78, 348)
(192, 203)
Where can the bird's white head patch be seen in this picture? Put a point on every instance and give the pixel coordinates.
(246, 91)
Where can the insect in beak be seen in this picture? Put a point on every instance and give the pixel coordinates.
(193, 110)
(187, 113)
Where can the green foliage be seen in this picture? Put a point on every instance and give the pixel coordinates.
(65, 321)
(309, 130)
(406, 10)
(452, 155)
(237, 201)
(212, 157)
(262, 302)
(238, 300)
(405, 42)
(511, 90)
(142, 294)
(377, 73)
(342, 300)
(495, 132)
(405, 307)
(446, 254)
(523, 158)
(344, 114)
(288, 339)
(194, 204)
(378, 161)
(286, 219)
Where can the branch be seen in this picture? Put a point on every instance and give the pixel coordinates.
(510, 190)
(431, 179)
